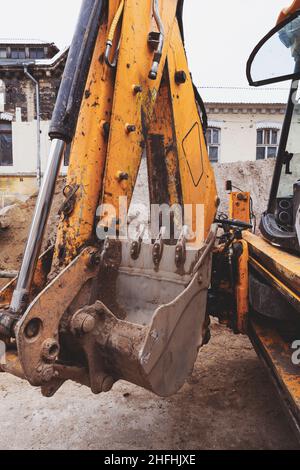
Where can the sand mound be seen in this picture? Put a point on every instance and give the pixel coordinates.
(19, 217)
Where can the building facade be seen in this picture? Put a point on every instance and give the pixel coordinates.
(27, 69)
(244, 123)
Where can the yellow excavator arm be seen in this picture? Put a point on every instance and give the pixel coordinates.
(106, 303)
(107, 306)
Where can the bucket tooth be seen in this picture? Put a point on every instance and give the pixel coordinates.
(123, 318)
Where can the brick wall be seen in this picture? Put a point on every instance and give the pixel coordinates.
(20, 92)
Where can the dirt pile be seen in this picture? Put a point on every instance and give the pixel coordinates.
(255, 177)
(13, 238)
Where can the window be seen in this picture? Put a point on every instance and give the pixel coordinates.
(18, 53)
(37, 53)
(267, 143)
(3, 53)
(213, 137)
(6, 157)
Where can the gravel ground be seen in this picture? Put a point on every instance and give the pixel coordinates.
(228, 403)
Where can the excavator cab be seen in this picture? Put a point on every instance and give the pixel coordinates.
(273, 263)
(277, 59)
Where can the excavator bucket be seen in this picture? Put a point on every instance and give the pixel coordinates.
(139, 314)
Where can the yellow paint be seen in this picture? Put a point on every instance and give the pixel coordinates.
(239, 206)
(110, 103)
(281, 264)
(134, 64)
(160, 125)
(242, 289)
(279, 353)
(88, 152)
(197, 177)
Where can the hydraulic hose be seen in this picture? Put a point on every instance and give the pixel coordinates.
(111, 35)
(158, 54)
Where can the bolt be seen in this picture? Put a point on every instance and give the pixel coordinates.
(242, 197)
(152, 75)
(137, 89)
(130, 128)
(123, 176)
(180, 77)
(83, 323)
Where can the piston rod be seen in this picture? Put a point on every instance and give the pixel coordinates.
(62, 130)
(40, 218)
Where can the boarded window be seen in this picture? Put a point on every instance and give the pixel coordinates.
(6, 154)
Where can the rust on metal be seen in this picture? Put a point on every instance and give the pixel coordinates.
(277, 357)
(281, 268)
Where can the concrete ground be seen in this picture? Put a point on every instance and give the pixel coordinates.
(228, 403)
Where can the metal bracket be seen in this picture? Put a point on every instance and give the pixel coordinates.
(68, 205)
(37, 333)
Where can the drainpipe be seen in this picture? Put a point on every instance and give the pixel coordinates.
(38, 124)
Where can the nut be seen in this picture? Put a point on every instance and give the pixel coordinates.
(180, 77)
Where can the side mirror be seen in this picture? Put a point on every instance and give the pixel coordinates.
(277, 56)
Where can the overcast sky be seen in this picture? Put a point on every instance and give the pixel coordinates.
(220, 35)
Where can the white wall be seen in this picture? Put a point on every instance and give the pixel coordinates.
(24, 136)
(239, 134)
(238, 140)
